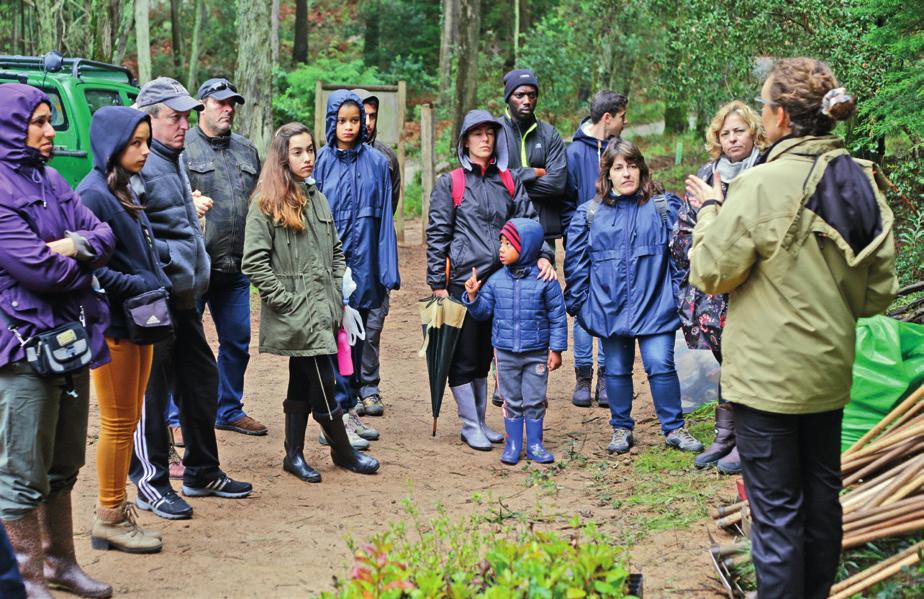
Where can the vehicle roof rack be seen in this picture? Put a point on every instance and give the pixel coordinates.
(77, 66)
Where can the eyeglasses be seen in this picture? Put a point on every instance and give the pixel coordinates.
(762, 102)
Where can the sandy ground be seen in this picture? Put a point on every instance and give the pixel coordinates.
(288, 538)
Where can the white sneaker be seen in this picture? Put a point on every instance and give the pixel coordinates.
(359, 427)
(355, 440)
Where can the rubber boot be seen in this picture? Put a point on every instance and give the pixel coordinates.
(534, 449)
(481, 404)
(724, 437)
(731, 463)
(294, 462)
(116, 528)
(514, 441)
(471, 434)
(61, 568)
(600, 393)
(341, 452)
(584, 376)
(26, 539)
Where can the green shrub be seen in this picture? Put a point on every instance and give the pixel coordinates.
(472, 558)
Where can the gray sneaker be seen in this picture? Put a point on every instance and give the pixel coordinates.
(352, 422)
(621, 441)
(682, 439)
(355, 440)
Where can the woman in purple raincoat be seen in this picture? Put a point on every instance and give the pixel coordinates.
(51, 244)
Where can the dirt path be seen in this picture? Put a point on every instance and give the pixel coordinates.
(287, 539)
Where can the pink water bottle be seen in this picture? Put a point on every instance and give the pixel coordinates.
(344, 353)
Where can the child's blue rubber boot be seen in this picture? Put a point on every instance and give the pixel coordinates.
(513, 443)
(534, 449)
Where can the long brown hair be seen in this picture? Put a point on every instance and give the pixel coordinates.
(118, 181)
(799, 85)
(278, 194)
(628, 151)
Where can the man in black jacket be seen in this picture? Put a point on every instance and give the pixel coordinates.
(536, 151)
(185, 365)
(225, 166)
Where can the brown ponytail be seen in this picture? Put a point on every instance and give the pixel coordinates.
(800, 87)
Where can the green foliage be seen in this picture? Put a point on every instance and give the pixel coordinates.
(470, 558)
(909, 236)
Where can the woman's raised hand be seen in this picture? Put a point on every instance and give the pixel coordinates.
(472, 285)
(698, 191)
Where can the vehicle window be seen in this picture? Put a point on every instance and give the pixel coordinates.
(58, 116)
(97, 98)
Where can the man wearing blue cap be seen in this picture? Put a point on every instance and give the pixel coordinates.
(225, 166)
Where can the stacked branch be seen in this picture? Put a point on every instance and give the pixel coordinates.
(913, 311)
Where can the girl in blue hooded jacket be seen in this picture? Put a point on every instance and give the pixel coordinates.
(621, 288)
(356, 181)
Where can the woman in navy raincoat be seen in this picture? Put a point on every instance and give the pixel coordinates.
(621, 288)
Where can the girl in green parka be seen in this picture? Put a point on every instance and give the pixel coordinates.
(292, 255)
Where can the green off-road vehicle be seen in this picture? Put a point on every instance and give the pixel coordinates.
(77, 87)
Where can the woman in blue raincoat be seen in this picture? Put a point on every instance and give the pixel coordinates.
(356, 181)
(621, 288)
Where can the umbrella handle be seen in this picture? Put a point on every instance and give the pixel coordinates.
(434, 427)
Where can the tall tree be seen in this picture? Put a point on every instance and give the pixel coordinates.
(275, 32)
(126, 22)
(255, 70)
(468, 51)
(175, 40)
(448, 38)
(300, 47)
(198, 9)
(143, 37)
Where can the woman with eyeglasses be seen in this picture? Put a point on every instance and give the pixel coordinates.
(803, 244)
(734, 140)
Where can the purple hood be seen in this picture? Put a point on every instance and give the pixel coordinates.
(39, 289)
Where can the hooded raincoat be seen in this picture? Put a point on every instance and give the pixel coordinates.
(528, 313)
(803, 245)
(135, 266)
(618, 271)
(39, 289)
(357, 184)
(583, 155)
(469, 235)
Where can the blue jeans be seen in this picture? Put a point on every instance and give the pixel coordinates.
(584, 348)
(658, 358)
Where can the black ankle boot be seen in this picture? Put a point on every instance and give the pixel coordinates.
(341, 451)
(294, 462)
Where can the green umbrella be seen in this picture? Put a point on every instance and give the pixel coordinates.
(441, 320)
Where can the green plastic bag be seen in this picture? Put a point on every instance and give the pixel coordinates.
(889, 364)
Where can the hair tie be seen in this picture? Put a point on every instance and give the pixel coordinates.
(836, 96)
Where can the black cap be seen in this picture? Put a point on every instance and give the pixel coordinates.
(169, 91)
(220, 89)
(516, 78)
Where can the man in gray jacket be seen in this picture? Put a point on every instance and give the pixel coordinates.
(185, 365)
(225, 166)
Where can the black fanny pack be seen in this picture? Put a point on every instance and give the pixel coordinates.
(147, 317)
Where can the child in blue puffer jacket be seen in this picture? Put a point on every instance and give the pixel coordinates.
(529, 332)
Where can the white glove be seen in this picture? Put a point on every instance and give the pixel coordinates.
(353, 324)
(349, 286)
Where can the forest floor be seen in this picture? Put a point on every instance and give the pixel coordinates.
(288, 539)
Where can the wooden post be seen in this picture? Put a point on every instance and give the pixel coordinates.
(402, 106)
(426, 166)
(319, 114)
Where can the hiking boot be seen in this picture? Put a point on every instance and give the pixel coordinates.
(682, 439)
(372, 405)
(222, 486)
(621, 441)
(355, 440)
(583, 376)
(352, 421)
(731, 463)
(600, 395)
(61, 568)
(168, 506)
(342, 451)
(471, 434)
(26, 539)
(176, 436)
(534, 448)
(117, 528)
(480, 387)
(724, 437)
(244, 425)
(294, 462)
(175, 464)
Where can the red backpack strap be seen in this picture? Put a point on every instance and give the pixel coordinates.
(458, 186)
(507, 180)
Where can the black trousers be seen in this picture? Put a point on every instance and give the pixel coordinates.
(474, 352)
(792, 472)
(312, 385)
(186, 367)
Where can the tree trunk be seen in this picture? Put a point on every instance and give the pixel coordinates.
(126, 22)
(447, 37)
(300, 47)
(46, 26)
(254, 71)
(175, 41)
(143, 37)
(371, 36)
(198, 9)
(467, 70)
(275, 32)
